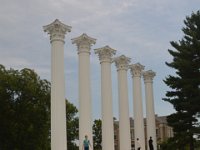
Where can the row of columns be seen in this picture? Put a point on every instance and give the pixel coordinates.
(57, 31)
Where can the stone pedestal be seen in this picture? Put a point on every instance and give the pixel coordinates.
(105, 55)
(57, 31)
(122, 63)
(150, 112)
(84, 43)
(136, 71)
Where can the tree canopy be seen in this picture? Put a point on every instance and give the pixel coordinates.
(185, 84)
(97, 134)
(72, 126)
(25, 112)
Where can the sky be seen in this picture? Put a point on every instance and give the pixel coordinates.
(139, 29)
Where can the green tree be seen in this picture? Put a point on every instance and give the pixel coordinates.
(185, 85)
(172, 143)
(168, 145)
(25, 112)
(97, 134)
(72, 126)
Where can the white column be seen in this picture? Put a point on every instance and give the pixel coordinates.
(150, 112)
(84, 44)
(105, 54)
(122, 63)
(57, 31)
(136, 71)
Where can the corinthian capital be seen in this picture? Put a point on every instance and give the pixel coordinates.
(148, 76)
(122, 62)
(57, 30)
(105, 53)
(136, 70)
(84, 42)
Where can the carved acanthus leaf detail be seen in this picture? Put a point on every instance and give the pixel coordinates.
(122, 62)
(57, 30)
(105, 53)
(148, 76)
(136, 69)
(84, 41)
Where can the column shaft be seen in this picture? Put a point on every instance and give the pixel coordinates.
(58, 112)
(150, 112)
(138, 112)
(85, 104)
(107, 111)
(124, 122)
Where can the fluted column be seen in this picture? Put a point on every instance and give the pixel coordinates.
(84, 44)
(150, 112)
(57, 31)
(136, 71)
(122, 63)
(105, 55)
